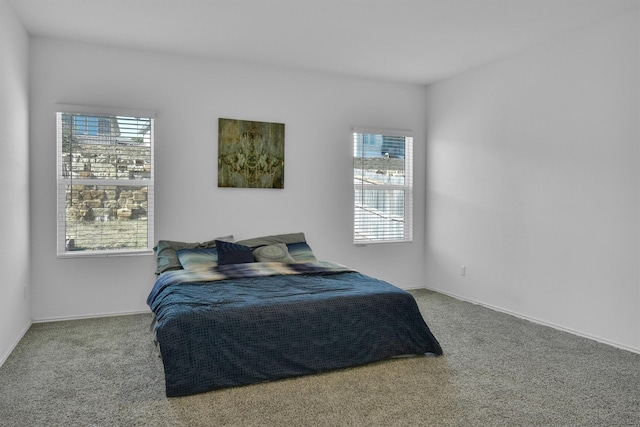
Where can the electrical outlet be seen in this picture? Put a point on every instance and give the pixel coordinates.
(463, 270)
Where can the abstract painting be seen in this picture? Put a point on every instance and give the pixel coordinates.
(250, 154)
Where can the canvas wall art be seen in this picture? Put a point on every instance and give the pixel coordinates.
(250, 154)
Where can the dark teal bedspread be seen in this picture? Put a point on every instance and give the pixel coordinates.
(230, 332)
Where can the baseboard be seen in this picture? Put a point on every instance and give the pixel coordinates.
(538, 321)
(89, 316)
(411, 288)
(13, 346)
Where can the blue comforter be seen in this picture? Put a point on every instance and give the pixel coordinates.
(227, 327)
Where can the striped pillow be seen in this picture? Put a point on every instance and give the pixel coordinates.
(193, 259)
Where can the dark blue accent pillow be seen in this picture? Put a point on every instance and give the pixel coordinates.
(233, 253)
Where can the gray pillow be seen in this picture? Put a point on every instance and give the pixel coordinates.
(273, 253)
(167, 252)
(272, 240)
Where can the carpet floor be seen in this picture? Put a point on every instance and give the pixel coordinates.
(497, 370)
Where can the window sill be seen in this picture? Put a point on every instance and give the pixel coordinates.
(385, 242)
(105, 254)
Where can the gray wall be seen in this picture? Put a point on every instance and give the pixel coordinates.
(533, 183)
(532, 174)
(189, 95)
(15, 316)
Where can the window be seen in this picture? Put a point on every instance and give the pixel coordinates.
(105, 182)
(383, 186)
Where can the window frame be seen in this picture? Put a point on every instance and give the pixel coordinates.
(407, 187)
(63, 181)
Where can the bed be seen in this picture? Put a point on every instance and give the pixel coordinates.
(235, 313)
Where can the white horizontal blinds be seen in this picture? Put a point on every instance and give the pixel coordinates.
(105, 183)
(383, 186)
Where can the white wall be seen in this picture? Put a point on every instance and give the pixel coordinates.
(15, 316)
(189, 95)
(533, 183)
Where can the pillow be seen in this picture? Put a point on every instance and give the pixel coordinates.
(296, 244)
(167, 252)
(272, 240)
(301, 252)
(273, 253)
(233, 253)
(192, 259)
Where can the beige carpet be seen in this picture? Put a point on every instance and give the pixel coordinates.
(497, 371)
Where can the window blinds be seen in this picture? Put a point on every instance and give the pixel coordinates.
(383, 186)
(105, 183)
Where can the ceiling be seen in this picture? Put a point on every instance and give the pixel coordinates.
(412, 41)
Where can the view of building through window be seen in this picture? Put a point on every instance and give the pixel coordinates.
(383, 193)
